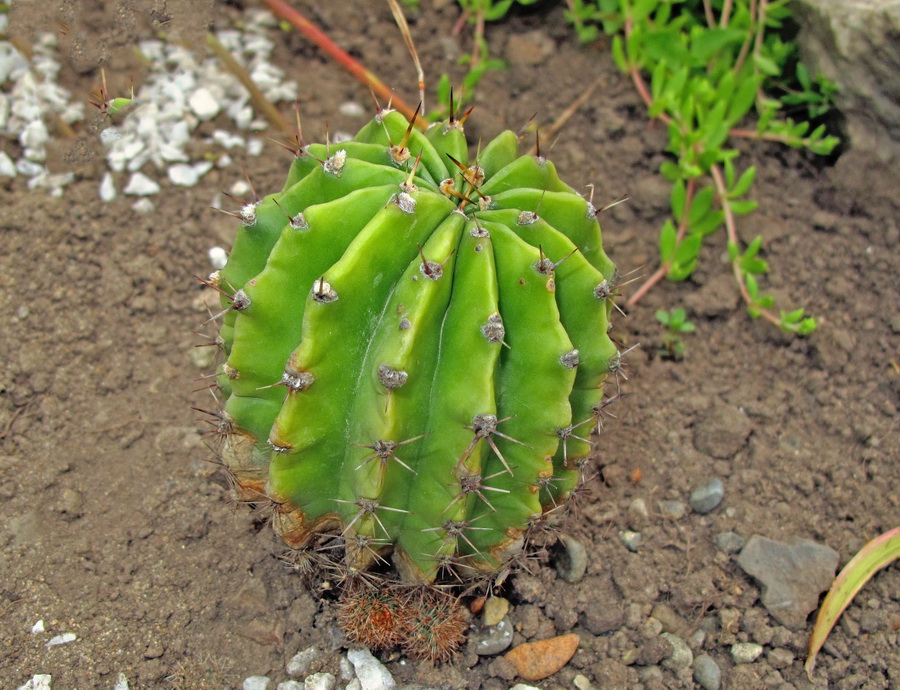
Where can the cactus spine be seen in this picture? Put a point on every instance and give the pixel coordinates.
(416, 347)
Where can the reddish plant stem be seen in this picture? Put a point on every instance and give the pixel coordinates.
(664, 268)
(731, 230)
(281, 9)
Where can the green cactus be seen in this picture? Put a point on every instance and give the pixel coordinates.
(416, 347)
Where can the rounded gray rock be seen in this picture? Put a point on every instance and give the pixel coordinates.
(494, 639)
(707, 497)
(707, 673)
(681, 656)
(572, 561)
(728, 542)
(745, 652)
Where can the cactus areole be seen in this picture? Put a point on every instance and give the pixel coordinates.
(416, 348)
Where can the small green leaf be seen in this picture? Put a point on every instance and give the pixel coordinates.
(766, 65)
(744, 183)
(733, 251)
(618, 52)
(667, 240)
(741, 208)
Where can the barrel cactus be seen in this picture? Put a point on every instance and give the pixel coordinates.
(415, 349)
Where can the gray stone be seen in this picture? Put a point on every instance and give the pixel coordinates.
(319, 681)
(571, 563)
(370, 672)
(745, 652)
(722, 431)
(706, 498)
(301, 661)
(637, 514)
(780, 658)
(256, 683)
(707, 673)
(728, 542)
(681, 656)
(671, 510)
(631, 540)
(494, 639)
(290, 685)
(857, 45)
(791, 576)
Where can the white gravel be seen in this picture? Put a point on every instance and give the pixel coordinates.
(152, 137)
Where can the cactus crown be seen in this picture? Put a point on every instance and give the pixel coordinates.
(416, 347)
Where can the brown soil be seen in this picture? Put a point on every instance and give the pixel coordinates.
(115, 525)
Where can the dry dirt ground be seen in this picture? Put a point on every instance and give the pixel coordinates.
(117, 528)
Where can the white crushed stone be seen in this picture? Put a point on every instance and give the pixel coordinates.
(33, 100)
(108, 188)
(256, 683)
(65, 638)
(144, 205)
(346, 667)
(291, 685)
(122, 683)
(141, 185)
(38, 627)
(370, 672)
(218, 257)
(39, 682)
(7, 167)
(182, 89)
(240, 188)
(351, 109)
(319, 681)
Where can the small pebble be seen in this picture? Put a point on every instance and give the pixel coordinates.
(204, 104)
(637, 514)
(370, 672)
(38, 627)
(256, 683)
(707, 673)
(239, 188)
(183, 175)
(672, 510)
(22, 312)
(522, 686)
(319, 681)
(143, 206)
(290, 685)
(495, 610)
(571, 564)
(538, 660)
(630, 539)
(122, 683)
(141, 185)
(351, 109)
(780, 658)
(107, 188)
(682, 656)
(582, 683)
(346, 667)
(494, 639)
(705, 498)
(745, 652)
(65, 638)
(218, 257)
(7, 167)
(301, 661)
(255, 147)
(728, 542)
(39, 682)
